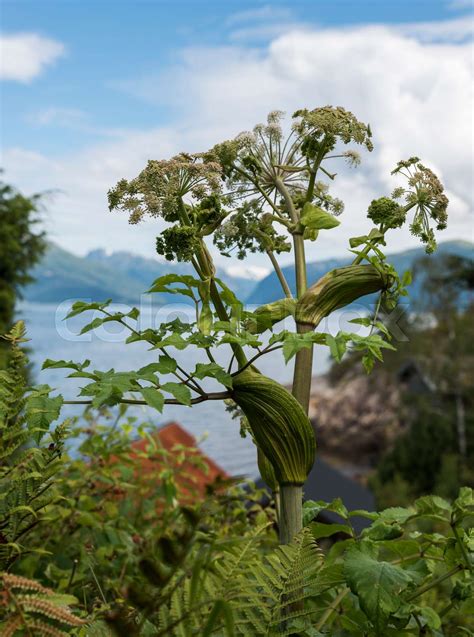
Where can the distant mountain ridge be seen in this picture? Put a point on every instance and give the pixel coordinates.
(269, 289)
(121, 276)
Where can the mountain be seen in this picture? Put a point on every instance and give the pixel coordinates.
(268, 289)
(145, 271)
(121, 276)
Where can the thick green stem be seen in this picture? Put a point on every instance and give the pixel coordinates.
(291, 512)
(303, 371)
(291, 497)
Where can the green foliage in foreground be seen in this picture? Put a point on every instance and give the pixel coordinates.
(118, 550)
(20, 249)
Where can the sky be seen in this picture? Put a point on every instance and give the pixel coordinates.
(90, 90)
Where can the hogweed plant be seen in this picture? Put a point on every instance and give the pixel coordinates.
(264, 191)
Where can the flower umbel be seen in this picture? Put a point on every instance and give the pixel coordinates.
(159, 187)
(426, 195)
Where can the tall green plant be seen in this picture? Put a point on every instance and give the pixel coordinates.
(263, 191)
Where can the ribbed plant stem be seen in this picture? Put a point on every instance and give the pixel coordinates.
(291, 512)
(303, 371)
(291, 497)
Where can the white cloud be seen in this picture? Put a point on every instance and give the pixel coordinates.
(415, 92)
(452, 31)
(263, 23)
(461, 4)
(247, 271)
(58, 116)
(24, 56)
(267, 13)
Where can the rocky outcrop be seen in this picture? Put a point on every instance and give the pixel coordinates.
(356, 420)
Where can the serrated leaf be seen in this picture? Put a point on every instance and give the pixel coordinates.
(377, 584)
(42, 410)
(81, 306)
(213, 370)
(51, 364)
(154, 398)
(337, 346)
(179, 391)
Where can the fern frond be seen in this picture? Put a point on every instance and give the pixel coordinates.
(44, 607)
(27, 469)
(23, 584)
(35, 608)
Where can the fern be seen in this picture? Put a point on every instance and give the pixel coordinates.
(31, 609)
(273, 591)
(27, 470)
(262, 597)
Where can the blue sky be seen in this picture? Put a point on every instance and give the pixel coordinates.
(96, 88)
(108, 43)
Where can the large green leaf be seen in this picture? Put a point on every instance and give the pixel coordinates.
(316, 218)
(377, 585)
(42, 410)
(154, 398)
(179, 391)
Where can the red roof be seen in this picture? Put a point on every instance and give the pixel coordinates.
(194, 471)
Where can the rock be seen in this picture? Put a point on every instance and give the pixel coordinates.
(357, 420)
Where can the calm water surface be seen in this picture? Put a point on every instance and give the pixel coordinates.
(218, 435)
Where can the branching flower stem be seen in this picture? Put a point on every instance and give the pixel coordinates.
(280, 275)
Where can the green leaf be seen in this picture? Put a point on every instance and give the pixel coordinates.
(267, 315)
(179, 391)
(166, 364)
(228, 296)
(97, 322)
(433, 505)
(42, 410)
(220, 609)
(375, 234)
(81, 306)
(294, 342)
(162, 284)
(368, 362)
(337, 346)
(133, 314)
(319, 529)
(430, 617)
(380, 531)
(316, 218)
(205, 319)
(357, 241)
(406, 278)
(50, 364)
(213, 370)
(173, 340)
(311, 509)
(378, 585)
(154, 398)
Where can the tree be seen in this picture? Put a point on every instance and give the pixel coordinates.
(20, 249)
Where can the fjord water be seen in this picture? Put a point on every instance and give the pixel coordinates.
(53, 337)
